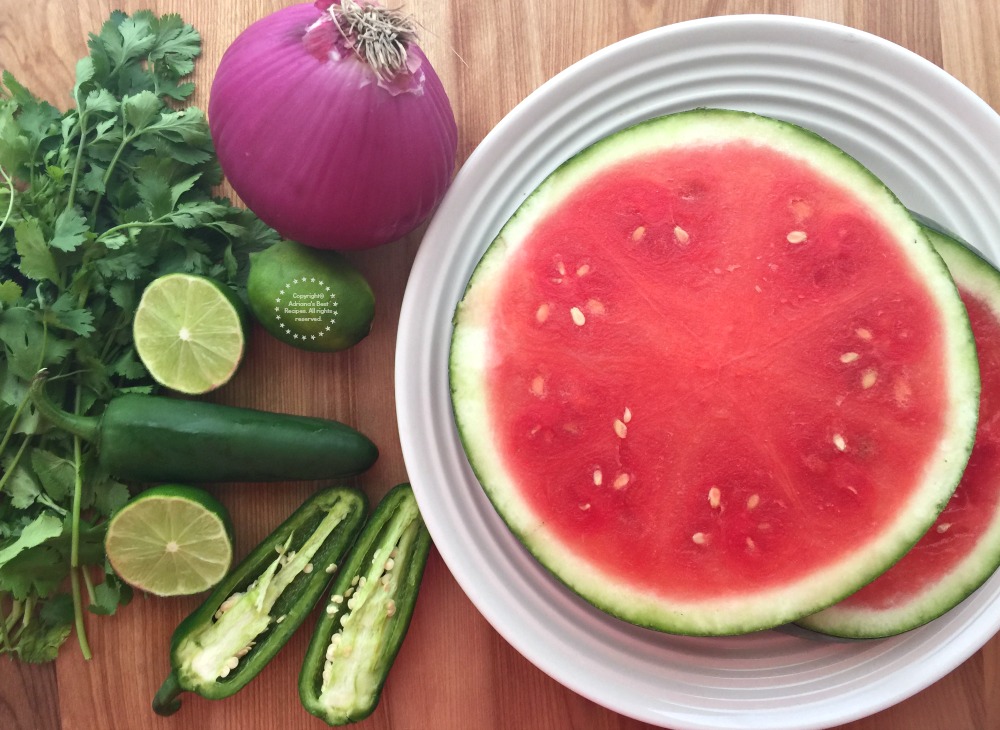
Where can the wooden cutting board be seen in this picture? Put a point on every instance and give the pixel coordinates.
(454, 671)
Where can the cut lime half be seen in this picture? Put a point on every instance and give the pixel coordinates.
(171, 540)
(190, 332)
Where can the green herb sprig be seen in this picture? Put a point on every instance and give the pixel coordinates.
(95, 202)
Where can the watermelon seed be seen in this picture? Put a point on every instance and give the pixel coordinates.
(627, 415)
(751, 544)
(538, 385)
(620, 429)
(561, 268)
(638, 233)
(943, 527)
(577, 316)
(594, 307)
(864, 334)
(583, 270)
(796, 237)
(848, 357)
(598, 477)
(839, 442)
(585, 506)
(758, 289)
(681, 235)
(753, 501)
(620, 481)
(714, 497)
(542, 313)
(868, 378)
(699, 538)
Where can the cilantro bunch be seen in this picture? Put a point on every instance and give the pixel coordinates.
(95, 202)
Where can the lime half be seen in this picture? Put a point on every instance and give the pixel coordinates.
(190, 332)
(171, 540)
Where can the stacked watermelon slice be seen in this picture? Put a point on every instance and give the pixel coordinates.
(716, 378)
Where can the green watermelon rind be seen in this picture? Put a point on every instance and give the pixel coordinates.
(976, 274)
(741, 614)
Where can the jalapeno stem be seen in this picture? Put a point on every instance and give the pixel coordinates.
(165, 701)
(84, 427)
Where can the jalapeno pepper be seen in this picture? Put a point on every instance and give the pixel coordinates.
(367, 614)
(148, 438)
(250, 615)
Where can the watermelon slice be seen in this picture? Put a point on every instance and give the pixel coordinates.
(962, 548)
(713, 375)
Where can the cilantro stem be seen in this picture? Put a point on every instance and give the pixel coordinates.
(4, 634)
(9, 433)
(47, 501)
(162, 222)
(74, 559)
(81, 630)
(88, 582)
(78, 163)
(13, 464)
(126, 140)
(10, 203)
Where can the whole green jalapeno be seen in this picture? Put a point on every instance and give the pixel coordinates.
(150, 438)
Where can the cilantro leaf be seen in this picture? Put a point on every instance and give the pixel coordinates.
(55, 473)
(21, 486)
(37, 261)
(141, 109)
(64, 314)
(70, 230)
(40, 642)
(26, 344)
(42, 528)
(10, 293)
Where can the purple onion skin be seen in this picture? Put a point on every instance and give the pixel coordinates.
(314, 156)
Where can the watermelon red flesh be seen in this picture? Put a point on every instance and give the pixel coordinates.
(798, 385)
(712, 376)
(962, 547)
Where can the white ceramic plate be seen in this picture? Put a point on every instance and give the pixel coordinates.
(928, 137)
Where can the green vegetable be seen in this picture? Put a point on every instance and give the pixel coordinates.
(371, 602)
(250, 615)
(95, 202)
(150, 438)
(311, 299)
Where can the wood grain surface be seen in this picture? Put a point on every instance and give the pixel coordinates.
(454, 671)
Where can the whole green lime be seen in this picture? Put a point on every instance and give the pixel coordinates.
(309, 298)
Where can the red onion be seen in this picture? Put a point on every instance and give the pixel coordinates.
(331, 125)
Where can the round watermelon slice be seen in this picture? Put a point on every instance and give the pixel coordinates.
(962, 548)
(713, 375)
